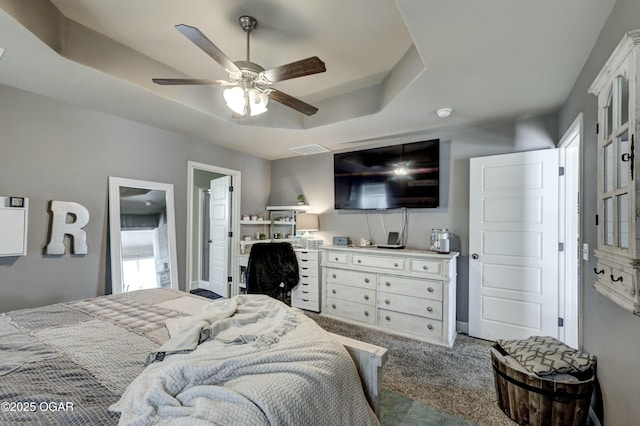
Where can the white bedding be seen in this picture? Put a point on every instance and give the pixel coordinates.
(280, 368)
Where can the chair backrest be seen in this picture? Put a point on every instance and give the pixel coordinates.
(269, 266)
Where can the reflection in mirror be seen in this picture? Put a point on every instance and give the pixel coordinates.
(142, 233)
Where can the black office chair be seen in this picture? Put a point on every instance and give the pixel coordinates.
(272, 269)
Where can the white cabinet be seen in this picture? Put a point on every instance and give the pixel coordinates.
(13, 227)
(306, 295)
(408, 292)
(618, 252)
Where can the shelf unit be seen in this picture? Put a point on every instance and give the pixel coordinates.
(272, 225)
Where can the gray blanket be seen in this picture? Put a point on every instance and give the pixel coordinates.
(65, 364)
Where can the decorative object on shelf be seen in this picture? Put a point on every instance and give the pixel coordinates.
(307, 222)
(246, 217)
(263, 236)
(254, 217)
(301, 199)
(16, 201)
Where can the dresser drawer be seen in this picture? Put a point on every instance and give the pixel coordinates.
(410, 305)
(410, 286)
(405, 323)
(337, 258)
(306, 289)
(350, 310)
(305, 303)
(307, 273)
(380, 262)
(352, 278)
(364, 296)
(427, 267)
(305, 293)
(307, 256)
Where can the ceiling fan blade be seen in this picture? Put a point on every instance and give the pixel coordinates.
(191, 81)
(292, 102)
(200, 40)
(296, 69)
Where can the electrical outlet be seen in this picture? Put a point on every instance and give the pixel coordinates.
(585, 251)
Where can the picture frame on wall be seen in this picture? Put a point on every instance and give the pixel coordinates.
(16, 201)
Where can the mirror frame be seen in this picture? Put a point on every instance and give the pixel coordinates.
(115, 183)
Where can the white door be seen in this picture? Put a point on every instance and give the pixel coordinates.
(219, 241)
(513, 245)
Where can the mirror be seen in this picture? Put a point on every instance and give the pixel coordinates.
(142, 235)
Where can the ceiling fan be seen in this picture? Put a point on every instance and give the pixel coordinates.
(250, 85)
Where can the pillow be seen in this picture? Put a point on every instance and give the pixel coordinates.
(545, 355)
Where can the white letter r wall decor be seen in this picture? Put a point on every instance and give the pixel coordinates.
(59, 227)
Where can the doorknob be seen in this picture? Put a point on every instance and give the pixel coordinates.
(474, 256)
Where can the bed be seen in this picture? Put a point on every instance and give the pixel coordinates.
(153, 356)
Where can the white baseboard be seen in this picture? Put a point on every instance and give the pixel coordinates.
(462, 327)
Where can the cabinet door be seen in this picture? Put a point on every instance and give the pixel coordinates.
(616, 195)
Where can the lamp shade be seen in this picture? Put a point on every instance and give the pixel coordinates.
(307, 222)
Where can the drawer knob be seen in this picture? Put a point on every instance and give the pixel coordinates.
(333, 275)
(430, 327)
(429, 309)
(425, 267)
(388, 284)
(336, 259)
(366, 297)
(305, 283)
(387, 301)
(359, 261)
(333, 306)
(333, 291)
(366, 313)
(388, 318)
(430, 289)
(305, 300)
(395, 264)
(366, 280)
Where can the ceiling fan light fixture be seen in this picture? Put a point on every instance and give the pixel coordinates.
(234, 97)
(248, 101)
(257, 102)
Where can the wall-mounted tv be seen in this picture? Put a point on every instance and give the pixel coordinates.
(391, 177)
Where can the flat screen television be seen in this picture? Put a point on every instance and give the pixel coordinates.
(391, 177)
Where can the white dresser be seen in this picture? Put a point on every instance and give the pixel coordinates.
(306, 295)
(411, 293)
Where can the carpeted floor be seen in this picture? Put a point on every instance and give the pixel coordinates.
(458, 381)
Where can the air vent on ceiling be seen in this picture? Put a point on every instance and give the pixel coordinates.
(314, 148)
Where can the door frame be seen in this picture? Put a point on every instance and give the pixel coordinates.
(570, 274)
(192, 166)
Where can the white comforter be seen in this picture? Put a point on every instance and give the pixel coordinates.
(265, 364)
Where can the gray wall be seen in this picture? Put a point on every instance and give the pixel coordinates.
(54, 151)
(313, 176)
(609, 332)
